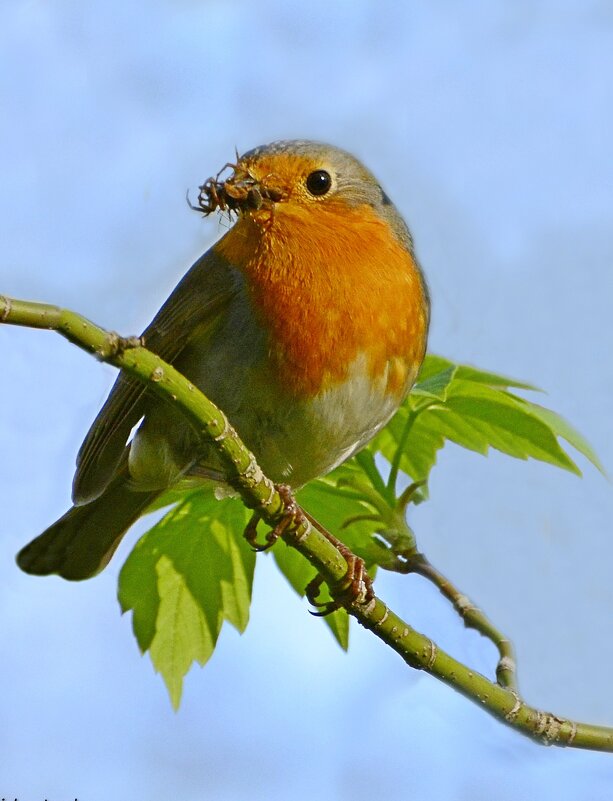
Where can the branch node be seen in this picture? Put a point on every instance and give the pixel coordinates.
(369, 607)
(384, 618)
(272, 492)
(432, 656)
(301, 533)
(225, 431)
(8, 305)
(116, 345)
(506, 663)
(464, 605)
(253, 473)
(512, 713)
(548, 727)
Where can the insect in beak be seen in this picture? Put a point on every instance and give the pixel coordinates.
(241, 192)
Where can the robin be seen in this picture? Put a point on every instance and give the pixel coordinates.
(306, 323)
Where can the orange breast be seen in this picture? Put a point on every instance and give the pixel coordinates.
(329, 284)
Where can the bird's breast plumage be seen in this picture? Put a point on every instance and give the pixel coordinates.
(332, 288)
(338, 321)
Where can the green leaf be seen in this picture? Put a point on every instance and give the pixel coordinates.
(333, 509)
(183, 632)
(193, 570)
(419, 454)
(435, 386)
(366, 461)
(468, 373)
(185, 576)
(505, 424)
(432, 365)
(474, 409)
(237, 581)
(339, 626)
(296, 569)
(173, 496)
(456, 428)
(564, 429)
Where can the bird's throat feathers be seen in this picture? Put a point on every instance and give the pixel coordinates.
(333, 286)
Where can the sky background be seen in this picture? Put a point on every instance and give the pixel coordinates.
(490, 125)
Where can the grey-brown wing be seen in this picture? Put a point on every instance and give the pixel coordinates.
(195, 303)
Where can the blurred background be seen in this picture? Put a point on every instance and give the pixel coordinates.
(490, 125)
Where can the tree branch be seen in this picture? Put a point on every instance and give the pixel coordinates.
(258, 492)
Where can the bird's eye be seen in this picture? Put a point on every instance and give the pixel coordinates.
(319, 182)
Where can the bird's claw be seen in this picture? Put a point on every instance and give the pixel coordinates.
(355, 588)
(356, 585)
(292, 518)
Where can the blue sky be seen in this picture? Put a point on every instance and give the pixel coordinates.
(490, 125)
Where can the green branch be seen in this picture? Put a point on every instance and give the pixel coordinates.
(258, 492)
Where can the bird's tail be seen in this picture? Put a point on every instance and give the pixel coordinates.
(81, 543)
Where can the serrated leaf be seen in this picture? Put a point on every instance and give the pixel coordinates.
(432, 365)
(468, 373)
(138, 591)
(183, 634)
(457, 429)
(564, 429)
(296, 569)
(436, 385)
(506, 424)
(173, 496)
(474, 409)
(194, 561)
(237, 581)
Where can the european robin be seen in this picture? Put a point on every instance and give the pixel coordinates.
(306, 323)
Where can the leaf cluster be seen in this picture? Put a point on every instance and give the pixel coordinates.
(193, 570)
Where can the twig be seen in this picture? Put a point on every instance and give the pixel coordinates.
(473, 617)
(403, 557)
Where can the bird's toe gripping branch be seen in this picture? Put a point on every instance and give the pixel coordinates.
(356, 586)
(292, 518)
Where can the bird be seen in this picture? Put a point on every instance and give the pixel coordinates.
(306, 323)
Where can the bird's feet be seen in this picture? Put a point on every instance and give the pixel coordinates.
(356, 586)
(292, 518)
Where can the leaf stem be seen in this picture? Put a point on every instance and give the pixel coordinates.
(395, 468)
